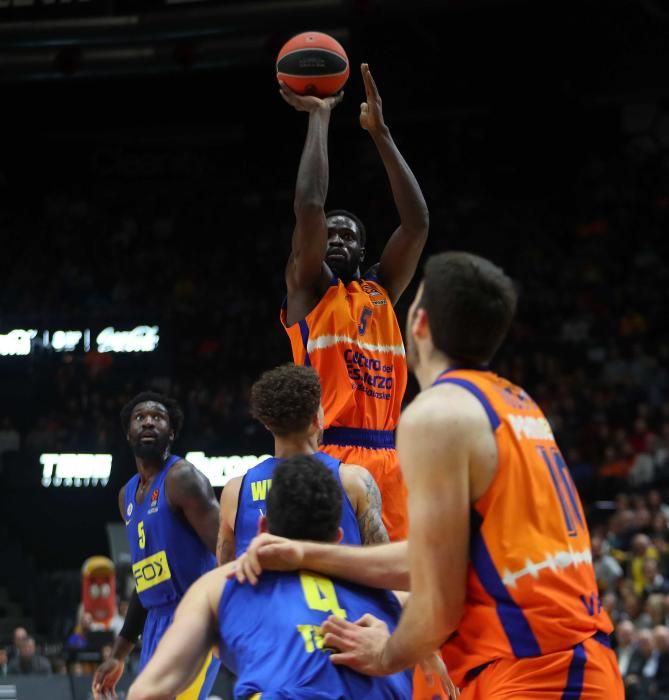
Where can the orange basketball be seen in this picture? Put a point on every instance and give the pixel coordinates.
(313, 63)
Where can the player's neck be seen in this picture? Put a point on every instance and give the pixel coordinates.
(148, 467)
(292, 445)
(430, 368)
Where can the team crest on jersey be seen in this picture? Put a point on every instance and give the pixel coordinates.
(154, 501)
(366, 287)
(129, 511)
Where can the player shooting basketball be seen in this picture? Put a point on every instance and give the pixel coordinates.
(342, 322)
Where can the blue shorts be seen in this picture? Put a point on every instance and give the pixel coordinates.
(157, 622)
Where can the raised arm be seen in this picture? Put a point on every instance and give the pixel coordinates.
(403, 250)
(365, 497)
(189, 492)
(184, 647)
(307, 276)
(225, 545)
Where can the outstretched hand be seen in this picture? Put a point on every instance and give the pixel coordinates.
(309, 103)
(371, 114)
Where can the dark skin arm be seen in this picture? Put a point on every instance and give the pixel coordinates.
(307, 275)
(108, 673)
(402, 252)
(190, 493)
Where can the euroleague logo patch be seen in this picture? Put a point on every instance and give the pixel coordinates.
(129, 511)
(154, 501)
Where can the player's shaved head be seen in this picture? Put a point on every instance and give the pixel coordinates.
(286, 399)
(305, 501)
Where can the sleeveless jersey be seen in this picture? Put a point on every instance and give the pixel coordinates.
(352, 339)
(253, 494)
(167, 555)
(274, 645)
(531, 586)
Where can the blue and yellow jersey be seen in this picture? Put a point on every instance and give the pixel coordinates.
(253, 494)
(167, 555)
(271, 638)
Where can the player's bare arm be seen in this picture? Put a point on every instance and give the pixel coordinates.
(184, 647)
(189, 492)
(225, 544)
(307, 275)
(444, 441)
(365, 496)
(110, 671)
(380, 566)
(402, 252)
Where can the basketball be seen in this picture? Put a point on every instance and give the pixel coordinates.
(313, 63)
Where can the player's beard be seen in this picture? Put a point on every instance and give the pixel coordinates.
(151, 450)
(343, 268)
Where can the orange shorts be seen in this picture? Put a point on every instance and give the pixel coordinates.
(384, 466)
(589, 671)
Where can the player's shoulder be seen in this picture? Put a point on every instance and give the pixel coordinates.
(352, 475)
(230, 492)
(185, 478)
(442, 407)
(210, 586)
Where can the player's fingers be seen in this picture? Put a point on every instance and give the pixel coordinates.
(344, 659)
(336, 624)
(366, 620)
(364, 69)
(247, 570)
(336, 641)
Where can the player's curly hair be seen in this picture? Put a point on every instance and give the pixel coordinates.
(470, 303)
(286, 398)
(305, 500)
(173, 410)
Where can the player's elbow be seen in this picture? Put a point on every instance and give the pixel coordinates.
(308, 205)
(444, 615)
(141, 691)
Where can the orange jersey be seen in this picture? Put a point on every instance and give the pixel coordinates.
(531, 587)
(352, 339)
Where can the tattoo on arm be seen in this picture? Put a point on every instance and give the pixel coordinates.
(372, 529)
(225, 550)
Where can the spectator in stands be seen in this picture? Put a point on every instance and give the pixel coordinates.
(607, 570)
(20, 633)
(59, 666)
(642, 549)
(655, 582)
(625, 645)
(117, 621)
(642, 666)
(661, 685)
(79, 638)
(28, 662)
(4, 661)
